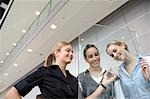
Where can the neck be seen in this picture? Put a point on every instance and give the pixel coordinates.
(95, 69)
(130, 60)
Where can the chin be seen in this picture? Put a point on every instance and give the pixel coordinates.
(68, 62)
(95, 65)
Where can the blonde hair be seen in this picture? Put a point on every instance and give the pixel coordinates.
(51, 58)
(116, 42)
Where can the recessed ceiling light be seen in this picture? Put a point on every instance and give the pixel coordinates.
(29, 50)
(15, 64)
(37, 12)
(123, 37)
(2, 62)
(82, 39)
(53, 26)
(14, 44)
(5, 74)
(0, 81)
(24, 31)
(7, 54)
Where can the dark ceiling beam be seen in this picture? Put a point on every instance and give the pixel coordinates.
(4, 7)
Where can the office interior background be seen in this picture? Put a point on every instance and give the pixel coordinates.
(84, 22)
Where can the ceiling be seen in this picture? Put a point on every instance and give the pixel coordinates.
(69, 20)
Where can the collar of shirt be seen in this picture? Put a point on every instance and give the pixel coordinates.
(122, 67)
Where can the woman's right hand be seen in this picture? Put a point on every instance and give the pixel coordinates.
(108, 78)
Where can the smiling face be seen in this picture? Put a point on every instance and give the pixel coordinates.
(65, 54)
(117, 52)
(93, 57)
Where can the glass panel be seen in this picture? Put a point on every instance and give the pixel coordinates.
(126, 25)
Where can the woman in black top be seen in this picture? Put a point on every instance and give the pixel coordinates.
(54, 81)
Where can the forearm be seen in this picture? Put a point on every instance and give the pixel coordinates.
(12, 94)
(97, 93)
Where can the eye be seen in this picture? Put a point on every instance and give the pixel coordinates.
(112, 55)
(114, 50)
(68, 50)
(90, 56)
(96, 54)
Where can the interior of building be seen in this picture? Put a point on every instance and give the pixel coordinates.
(30, 28)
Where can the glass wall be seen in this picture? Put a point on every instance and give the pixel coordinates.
(130, 24)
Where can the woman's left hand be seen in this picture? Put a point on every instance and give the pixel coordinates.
(145, 69)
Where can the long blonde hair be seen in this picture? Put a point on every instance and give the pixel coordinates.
(51, 58)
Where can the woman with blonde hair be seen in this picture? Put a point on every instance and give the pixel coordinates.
(134, 72)
(53, 80)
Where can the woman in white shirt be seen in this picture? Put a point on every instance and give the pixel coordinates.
(95, 82)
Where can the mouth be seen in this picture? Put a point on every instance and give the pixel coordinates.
(95, 62)
(70, 57)
(118, 56)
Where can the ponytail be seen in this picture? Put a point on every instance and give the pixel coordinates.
(49, 60)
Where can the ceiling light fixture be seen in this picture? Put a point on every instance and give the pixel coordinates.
(24, 31)
(37, 13)
(122, 37)
(5, 74)
(53, 26)
(7, 54)
(29, 50)
(82, 39)
(2, 62)
(15, 64)
(14, 44)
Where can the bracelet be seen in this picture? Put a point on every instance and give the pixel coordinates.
(103, 86)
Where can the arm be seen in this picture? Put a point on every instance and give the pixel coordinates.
(97, 93)
(12, 93)
(24, 86)
(109, 77)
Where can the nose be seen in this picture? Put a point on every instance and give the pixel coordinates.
(94, 57)
(71, 53)
(115, 55)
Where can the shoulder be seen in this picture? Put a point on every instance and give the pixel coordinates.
(71, 75)
(41, 70)
(83, 74)
(44, 68)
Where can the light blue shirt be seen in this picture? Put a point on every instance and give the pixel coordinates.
(134, 86)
